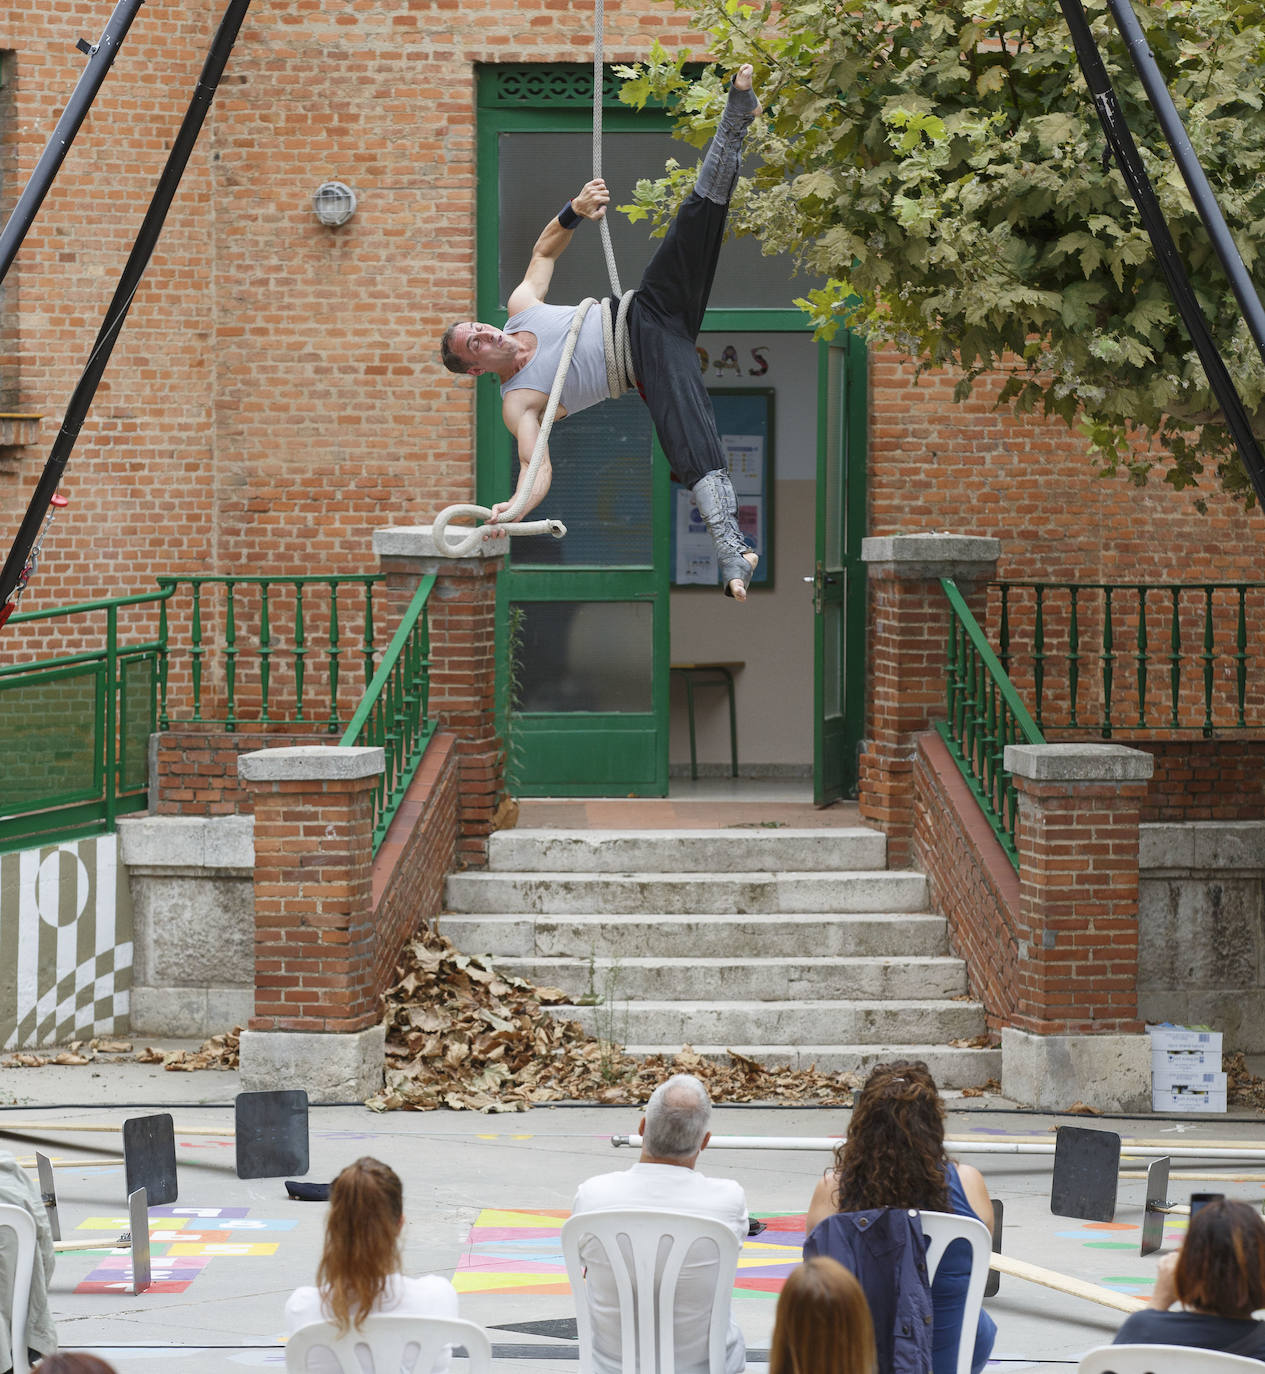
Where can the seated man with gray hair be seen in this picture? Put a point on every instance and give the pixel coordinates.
(674, 1132)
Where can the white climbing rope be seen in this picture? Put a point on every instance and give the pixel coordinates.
(620, 376)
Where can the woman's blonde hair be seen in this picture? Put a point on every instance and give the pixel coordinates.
(823, 1323)
(362, 1241)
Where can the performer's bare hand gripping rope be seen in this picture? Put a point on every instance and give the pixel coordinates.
(663, 323)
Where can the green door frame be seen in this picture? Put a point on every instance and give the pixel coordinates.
(558, 98)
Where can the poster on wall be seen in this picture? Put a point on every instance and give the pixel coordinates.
(744, 418)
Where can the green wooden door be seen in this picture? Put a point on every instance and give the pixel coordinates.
(839, 578)
(583, 621)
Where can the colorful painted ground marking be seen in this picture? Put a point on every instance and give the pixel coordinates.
(183, 1240)
(520, 1252)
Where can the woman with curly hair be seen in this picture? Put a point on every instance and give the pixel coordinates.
(359, 1273)
(823, 1323)
(1218, 1276)
(894, 1157)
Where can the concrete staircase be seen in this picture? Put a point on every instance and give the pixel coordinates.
(790, 946)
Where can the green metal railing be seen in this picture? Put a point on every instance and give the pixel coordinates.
(267, 650)
(985, 714)
(395, 710)
(75, 729)
(1134, 658)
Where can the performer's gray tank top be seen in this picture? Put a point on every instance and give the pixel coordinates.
(586, 383)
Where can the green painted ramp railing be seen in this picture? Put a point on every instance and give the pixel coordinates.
(74, 729)
(394, 712)
(985, 714)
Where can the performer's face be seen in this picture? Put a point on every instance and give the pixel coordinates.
(482, 347)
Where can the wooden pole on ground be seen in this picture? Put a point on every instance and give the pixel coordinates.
(1064, 1283)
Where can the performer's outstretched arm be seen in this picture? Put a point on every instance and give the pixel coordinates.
(523, 420)
(591, 203)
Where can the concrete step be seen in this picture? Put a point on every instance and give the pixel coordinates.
(685, 894)
(731, 979)
(951, 1066)
(737, 937)
(793, 1023)
(739, 850)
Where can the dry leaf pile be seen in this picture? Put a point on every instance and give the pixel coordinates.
(1243, 1088)
(460, 1034)
(219, 1052)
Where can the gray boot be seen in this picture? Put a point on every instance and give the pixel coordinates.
(719, 169)
(717, 504)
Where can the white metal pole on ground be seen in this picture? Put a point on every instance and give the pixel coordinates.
(1208, 1150)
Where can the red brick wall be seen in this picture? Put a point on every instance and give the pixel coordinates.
(1077, 916)
(197, 769)
(935, 465)
(330, 916)
(314, 926)
(1205, 780)
(973, 884)
(415, 857)
(275, 395)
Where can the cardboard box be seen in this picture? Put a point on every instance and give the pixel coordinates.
(1183, 1099)
(1184, 1061)
(1184, 1038)
(1166, 1079)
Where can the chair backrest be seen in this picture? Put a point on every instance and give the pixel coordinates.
(646, 1282)
(22, 1223)
(389, 1342)
(940, 1229)
(1161, 1359)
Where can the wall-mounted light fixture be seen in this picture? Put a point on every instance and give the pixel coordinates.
(334, 203)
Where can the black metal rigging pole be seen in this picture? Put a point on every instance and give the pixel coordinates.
(101, 57)
(1193, 174)
(1125, 151)
(16, 569)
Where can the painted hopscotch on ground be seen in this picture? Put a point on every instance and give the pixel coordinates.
(521, 1252)
(183, 1241)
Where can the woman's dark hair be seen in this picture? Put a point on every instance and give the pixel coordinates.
(894, 1152)
(823, 1323)
(72, 1362)
(1221, 1265)
(362, 1240)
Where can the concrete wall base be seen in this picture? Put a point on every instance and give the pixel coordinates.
(194, 922)
(1111, 1073)
(329, 1067)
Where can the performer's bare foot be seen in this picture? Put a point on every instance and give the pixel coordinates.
(738, 586)
(742, 81)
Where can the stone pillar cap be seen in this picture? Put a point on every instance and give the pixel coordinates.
(312, 763)
(931, 554)
(418, 541)
(1078, 762)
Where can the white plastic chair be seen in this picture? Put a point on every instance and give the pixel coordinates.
(1161, 1359)
(631, 1240)
(941, 1228)
(22, 1224)
(387, 1341)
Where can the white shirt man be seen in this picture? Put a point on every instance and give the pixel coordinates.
(674, 1133)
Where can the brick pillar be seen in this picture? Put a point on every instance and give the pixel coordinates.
(317, 1022)
(463, 662)
(908, 638)
(1076, 992)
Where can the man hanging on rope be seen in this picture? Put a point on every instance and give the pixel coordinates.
(663, 322)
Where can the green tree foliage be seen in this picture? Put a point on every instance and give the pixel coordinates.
(941, 167)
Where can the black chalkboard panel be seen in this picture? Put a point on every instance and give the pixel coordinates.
(272, 1134)
(149, 1157)
(1086, 1174)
